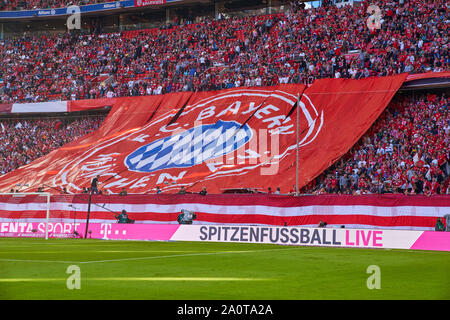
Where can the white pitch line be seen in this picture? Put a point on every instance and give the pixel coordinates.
(138, 279)
(100, 251)
(187, 255)
(45, 261)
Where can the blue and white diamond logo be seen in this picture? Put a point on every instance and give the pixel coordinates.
(190, 147)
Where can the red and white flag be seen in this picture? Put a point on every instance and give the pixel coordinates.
(235, 138)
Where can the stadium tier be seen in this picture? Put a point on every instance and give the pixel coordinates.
(295, 46)
(17, 5)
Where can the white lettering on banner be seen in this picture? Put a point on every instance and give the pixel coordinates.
(41, 227)
(163, 176)
(140, 138)
(120, 183)
(38, 227)
(29, 228)
(274, 121)
(165, 128)
(232, 108)
(282, 130)
(265, 111)
(21, 227)
(251, 107)
(93, 172)
(206, 113)
(102, 165)
(140, 183)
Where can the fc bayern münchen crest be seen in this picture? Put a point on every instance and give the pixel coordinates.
(225, 135)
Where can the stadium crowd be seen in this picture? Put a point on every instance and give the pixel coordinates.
(405, 151)
(15, 5)
(296, 46)
(23, 141)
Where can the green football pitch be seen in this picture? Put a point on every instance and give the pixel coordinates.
(88, 269)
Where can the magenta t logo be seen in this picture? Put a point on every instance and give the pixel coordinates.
(105, 230)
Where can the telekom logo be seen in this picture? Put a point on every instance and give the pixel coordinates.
(105, 230)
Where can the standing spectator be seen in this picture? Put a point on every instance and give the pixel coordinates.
(94, 185)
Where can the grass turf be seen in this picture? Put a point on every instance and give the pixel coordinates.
(37, 269)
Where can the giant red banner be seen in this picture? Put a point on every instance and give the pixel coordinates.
(235, 138)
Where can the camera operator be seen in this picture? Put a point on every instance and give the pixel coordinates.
(122, 217)
(186, 217)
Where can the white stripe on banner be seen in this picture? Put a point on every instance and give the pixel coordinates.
(376, 211)
(347, 226)
(52, 106)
